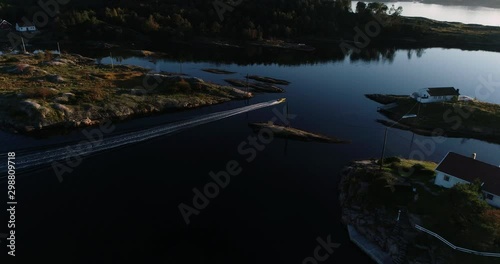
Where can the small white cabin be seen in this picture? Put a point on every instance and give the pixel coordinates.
(455, 168)
(435, 95)
(25, 28)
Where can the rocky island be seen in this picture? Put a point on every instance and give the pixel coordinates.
(40, 91)
(296, 134)
(382, 206)
(470, 119)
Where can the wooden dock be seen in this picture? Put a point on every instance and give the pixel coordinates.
(368, 247)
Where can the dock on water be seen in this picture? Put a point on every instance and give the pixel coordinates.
(368, 247)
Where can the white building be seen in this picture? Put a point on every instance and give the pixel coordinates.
(25, 28)
(455, 168)
(434, 95)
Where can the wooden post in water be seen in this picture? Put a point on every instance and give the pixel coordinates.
(411, 145)
(383, 149)
(112, 65)
(287, 115)
(246, 84)
(246, 89)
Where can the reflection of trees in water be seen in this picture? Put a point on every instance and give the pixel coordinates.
(374, 55)
(418, 52)
(258, 55)
(118, 59)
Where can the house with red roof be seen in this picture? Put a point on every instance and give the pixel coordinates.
(435, 95)
(456, 168)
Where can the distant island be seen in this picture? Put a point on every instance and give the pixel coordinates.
(475, 3)
(296, 134)
(470, 119)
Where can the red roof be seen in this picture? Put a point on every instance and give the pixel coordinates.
(470, 169)
(443, 91)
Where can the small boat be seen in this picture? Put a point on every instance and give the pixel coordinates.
(409, 116)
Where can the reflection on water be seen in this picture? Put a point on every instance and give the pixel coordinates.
(257, 55)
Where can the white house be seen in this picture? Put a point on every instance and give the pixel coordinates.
(455, 168)
(24, 28)
(434, 95)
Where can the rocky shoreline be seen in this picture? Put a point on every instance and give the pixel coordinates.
(75, 117)
(40, 92)
(379, 224)
(474, 119)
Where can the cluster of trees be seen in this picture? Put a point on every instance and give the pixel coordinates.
(469, 219)
(377, 8)
(254, 19)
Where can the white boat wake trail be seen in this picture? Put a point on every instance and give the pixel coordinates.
(49, 156)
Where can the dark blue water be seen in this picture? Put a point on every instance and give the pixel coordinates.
(123, 203)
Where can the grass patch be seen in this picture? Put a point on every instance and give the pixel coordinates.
(39, 93)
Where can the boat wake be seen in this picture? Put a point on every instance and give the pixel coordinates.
(46, 157)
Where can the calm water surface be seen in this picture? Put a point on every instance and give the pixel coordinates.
(463, 14)
(124, 202)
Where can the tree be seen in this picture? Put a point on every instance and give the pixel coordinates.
(492, 217)
(360, 7)
(466, 204)
(377, 8)
(393, 11)
(151, 24)
(343, 5)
